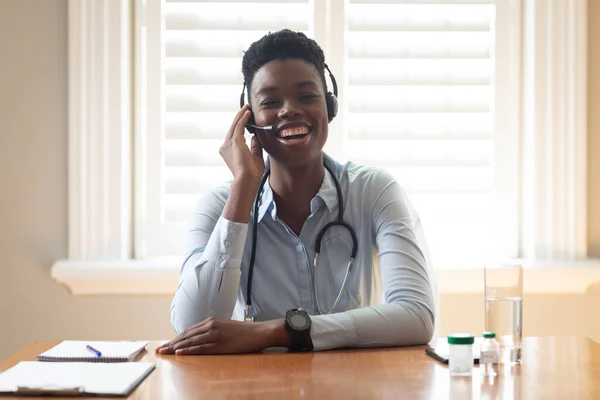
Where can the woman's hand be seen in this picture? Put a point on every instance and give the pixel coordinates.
(242, 161)
(224, 336)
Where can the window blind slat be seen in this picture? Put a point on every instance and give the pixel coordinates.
(193, 153)
(432, 126)
(423, 45)
(189, 71)
(426, 99)
(198, 98)
(419, 72)
(421, 152)
(201, 125)
(242, 16)
(418, 17)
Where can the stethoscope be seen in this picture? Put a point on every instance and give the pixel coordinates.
(340, 222)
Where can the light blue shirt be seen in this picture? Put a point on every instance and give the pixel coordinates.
(390, 297)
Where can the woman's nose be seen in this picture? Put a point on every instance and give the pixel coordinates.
(288, 110)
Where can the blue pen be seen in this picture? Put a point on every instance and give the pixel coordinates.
(93, 350)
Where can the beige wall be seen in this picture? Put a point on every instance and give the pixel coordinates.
(594, 129)
(33, 205)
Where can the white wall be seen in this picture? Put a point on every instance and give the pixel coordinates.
(33, 205)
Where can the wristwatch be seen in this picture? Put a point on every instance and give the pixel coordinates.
(297, 324)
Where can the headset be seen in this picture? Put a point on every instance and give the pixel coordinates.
(332, 109)
(330, 100)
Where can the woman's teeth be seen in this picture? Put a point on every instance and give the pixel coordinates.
(293, 132)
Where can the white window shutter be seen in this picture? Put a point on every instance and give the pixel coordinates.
(419, 92)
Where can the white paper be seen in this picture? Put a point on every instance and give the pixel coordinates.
(95, 378)
(77, 349)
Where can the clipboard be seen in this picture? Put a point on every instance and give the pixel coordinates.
(72, 379)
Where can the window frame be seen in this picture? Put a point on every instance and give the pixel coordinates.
(104, 44)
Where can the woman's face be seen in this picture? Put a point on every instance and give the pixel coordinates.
(290, 94)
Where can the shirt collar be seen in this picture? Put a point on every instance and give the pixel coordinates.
(266, 200)
(327, 192)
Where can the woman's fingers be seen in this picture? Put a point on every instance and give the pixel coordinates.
(200, 349)
(188, 333)
(240, 127)
(235, 121)
(162, 346)
(203, 332)
(197, 340)
(202, 339)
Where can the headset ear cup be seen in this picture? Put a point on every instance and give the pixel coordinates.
(332, 106)
(251, 129)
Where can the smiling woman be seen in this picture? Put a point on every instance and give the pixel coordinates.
(307, 273)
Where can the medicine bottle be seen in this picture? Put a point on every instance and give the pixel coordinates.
(460, 354)
(490, 354)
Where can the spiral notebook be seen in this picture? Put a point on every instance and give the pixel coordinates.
(74, 350)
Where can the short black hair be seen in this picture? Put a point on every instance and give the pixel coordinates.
(281, 45)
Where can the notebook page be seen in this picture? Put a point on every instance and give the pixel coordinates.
(74, 349)
(93, 378)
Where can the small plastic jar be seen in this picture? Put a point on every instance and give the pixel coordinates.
(460, 355)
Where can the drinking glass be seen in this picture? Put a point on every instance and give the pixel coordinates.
(504, 307)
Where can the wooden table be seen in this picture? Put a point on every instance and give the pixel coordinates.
(553, 368)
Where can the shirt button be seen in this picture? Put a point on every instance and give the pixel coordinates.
(299, 248)
(228, 243)
(232, 231)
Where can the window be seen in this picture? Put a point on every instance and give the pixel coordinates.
(416, 82)
(475, 105)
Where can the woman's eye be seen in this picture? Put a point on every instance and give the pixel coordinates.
(309, 97)
(268, 103)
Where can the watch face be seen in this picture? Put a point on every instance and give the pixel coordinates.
(298, 321)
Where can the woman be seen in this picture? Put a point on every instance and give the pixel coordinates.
(285, 80)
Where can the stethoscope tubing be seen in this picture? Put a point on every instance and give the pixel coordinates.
(339, 222)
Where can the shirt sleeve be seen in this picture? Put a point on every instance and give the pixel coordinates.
(408, 315)
(210, 275)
